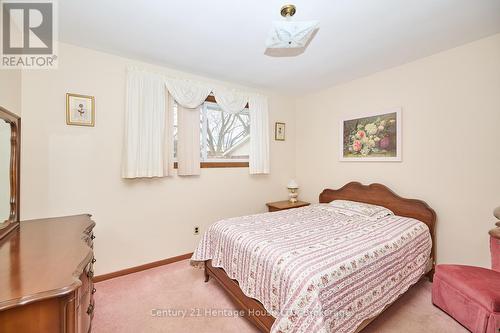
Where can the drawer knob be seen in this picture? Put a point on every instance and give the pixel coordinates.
(93, 260)
(90, 309)
(93, 290)
(92, 237)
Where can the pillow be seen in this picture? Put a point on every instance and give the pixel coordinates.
(351, 208)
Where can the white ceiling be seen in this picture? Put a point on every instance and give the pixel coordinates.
(224, 39)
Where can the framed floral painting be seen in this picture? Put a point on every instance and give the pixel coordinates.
(372, 138)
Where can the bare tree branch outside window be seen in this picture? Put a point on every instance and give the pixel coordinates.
(227, 135)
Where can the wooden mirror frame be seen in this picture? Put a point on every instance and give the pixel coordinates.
(15, 170)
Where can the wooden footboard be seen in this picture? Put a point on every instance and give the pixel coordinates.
(254, 310)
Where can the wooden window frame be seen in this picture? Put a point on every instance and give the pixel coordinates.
(209, 165)
(211, 98)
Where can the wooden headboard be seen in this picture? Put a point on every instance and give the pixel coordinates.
(378, 194)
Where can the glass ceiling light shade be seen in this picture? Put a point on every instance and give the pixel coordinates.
(290, 34)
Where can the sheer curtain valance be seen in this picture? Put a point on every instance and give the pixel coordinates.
(148, 144)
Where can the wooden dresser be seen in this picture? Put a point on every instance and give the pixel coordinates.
(46, 276)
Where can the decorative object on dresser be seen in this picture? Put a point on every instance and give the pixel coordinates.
(293, 189)
(374, 194)
(10, 168)
(46, 276)
(371, 138)
(495, 242)
(282, 205)
(495, 248)
(279, 131)
(496, 212)
(80, 110)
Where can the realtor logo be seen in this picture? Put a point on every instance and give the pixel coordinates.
(28, 30)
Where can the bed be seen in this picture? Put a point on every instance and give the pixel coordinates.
(320, 268)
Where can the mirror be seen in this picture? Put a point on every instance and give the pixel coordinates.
(5, 152)
(10, 153)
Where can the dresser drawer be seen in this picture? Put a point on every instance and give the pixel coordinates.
(86, 299)
(85, 312)
(89, 239)
(86, 278)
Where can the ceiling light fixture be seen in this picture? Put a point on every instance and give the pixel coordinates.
(290, 34)
(288, 10)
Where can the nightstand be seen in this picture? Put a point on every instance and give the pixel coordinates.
(282, 205)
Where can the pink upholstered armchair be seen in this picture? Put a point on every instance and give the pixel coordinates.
(471, 294)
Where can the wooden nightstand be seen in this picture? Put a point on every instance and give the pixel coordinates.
(282, 205)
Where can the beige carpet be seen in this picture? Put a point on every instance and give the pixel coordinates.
(178, 293)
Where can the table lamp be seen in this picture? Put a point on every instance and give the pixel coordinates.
(293, 188)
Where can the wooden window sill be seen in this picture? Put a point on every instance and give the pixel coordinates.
(207, 165)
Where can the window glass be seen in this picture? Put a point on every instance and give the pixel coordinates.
(223, 136)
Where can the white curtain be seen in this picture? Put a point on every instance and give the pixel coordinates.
(230, 100)
(145, 150)
(188, 141)
(169, 133)
(189, 96)
(259, 134)
(148, 143)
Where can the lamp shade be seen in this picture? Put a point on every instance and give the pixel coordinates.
(290, 34)
(292, 184)
(496, 212)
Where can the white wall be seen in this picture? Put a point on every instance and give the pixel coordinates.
(70, 169)
(451, 151)
(10, 90)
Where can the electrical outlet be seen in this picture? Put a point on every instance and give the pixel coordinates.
(196, 230)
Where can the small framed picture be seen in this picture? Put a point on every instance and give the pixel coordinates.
(279, 131)
(80, 110)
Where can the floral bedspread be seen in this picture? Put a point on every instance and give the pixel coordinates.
(315, 269)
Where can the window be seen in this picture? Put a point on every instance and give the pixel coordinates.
(224, 137)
